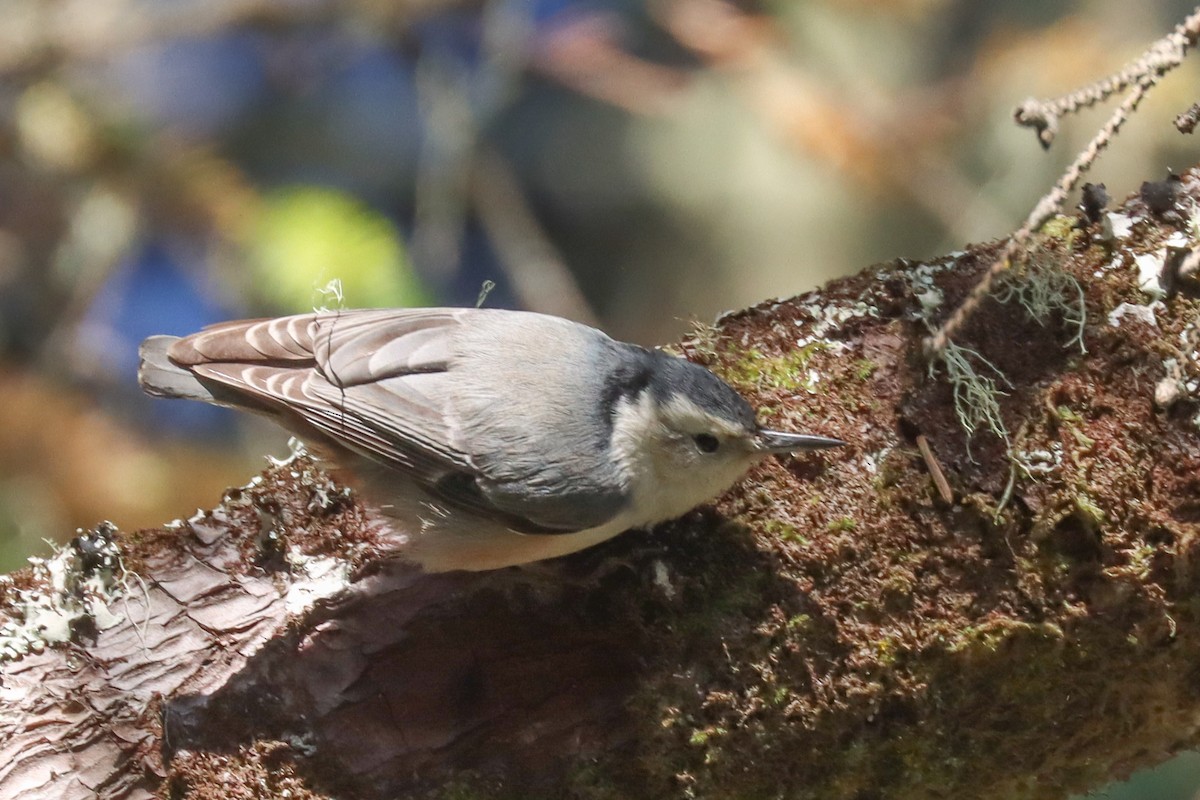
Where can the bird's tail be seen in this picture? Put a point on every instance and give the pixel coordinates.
(161, 377)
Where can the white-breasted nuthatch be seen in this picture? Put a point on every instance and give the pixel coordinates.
(488, 437)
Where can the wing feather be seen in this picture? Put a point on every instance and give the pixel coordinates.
(246, 341)
(376, 382)
(282, 388)
(368, 346)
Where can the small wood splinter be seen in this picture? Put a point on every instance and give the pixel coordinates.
(935, 469)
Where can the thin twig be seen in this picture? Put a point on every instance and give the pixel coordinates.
(883, 154)
(1160, 58)
(935, 470)
(1047, 207)
(1143, 74)
(451, 134)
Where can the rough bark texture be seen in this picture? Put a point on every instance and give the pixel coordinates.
(830, 629)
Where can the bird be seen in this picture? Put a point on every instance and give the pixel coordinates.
(486, 438)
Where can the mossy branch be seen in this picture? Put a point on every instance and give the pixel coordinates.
(836, 627)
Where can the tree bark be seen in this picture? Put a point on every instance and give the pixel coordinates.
(924, 613)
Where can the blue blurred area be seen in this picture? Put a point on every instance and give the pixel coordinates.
(197, 87)
(451, 34)
(154, 292)
(371, 125)
(349, 121)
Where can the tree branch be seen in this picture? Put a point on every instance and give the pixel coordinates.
(833, 628)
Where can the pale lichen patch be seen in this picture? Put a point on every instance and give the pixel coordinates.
(1176, 239)
(1139, 312)
(1150, 267)
(79, 582)
(828, 317)
(314, 578)
(1039, 461)
(1121, 224)
(1182, 377)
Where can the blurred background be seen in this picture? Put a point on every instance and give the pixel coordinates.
(165, 164)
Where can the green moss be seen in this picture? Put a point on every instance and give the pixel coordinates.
(864, 368)
(886, 651)
(467, 786)
(778, 529)
(799, 623)
(1082, 439)
(842, 524)
(755, 370)
(1061, 227)
(592, 780)
(899, 583)
(1088, 512)
(1065, 414)
(701, 736)
(780, 696)
(990, 636)
(1138, 563)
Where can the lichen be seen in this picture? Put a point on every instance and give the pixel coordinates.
(976, 393)
(81, 586)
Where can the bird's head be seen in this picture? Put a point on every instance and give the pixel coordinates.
(688, 436)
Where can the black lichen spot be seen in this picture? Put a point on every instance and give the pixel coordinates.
(96, 549)
(1174, 279)
(1094, 201)
(1161, 197)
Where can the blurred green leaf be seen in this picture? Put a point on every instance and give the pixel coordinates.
(307, 236)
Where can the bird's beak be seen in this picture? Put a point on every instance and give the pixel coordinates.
(779, 442)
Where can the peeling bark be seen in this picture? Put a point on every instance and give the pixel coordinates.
(831, 628)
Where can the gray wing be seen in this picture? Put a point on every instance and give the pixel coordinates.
(378, 382)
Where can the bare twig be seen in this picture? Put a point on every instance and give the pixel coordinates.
(583, 54)
(935, 469)
(451, 131)
(1162, 57)
(1144, 74)
(458, 102)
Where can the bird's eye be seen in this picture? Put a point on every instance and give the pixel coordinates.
(706, 443)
